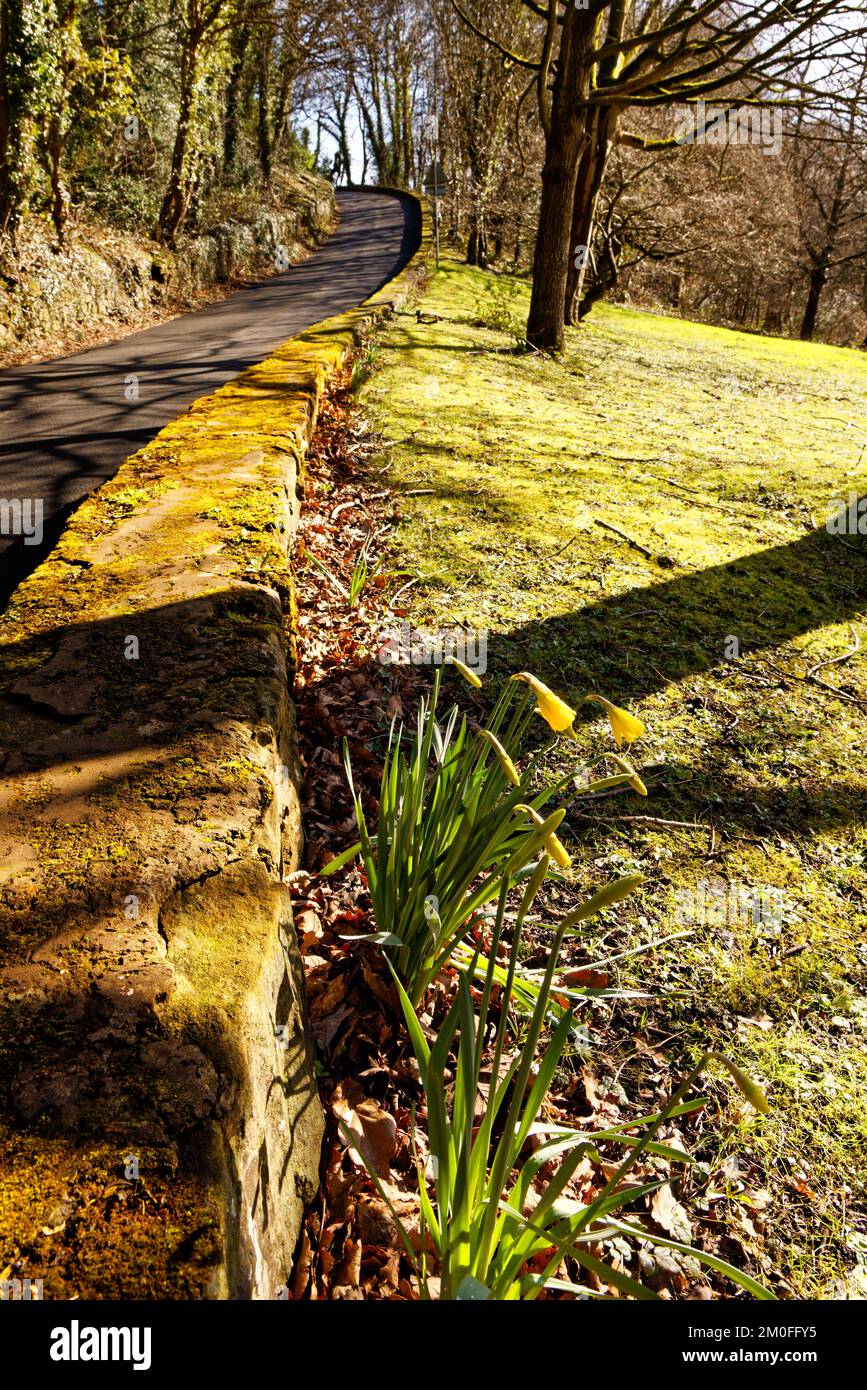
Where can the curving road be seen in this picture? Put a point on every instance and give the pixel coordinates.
(66, 425)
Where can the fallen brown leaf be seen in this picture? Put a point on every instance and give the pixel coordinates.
(373, 1129)
(670, 1215)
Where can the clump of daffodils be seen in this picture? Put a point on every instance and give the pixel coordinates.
(560, 717)
(458, 817)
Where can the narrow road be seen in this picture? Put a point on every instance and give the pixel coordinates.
(66, 425)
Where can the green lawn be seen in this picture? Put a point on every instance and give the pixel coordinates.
(718, 455)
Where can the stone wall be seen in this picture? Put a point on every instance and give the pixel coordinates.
(105, 283)
(160, 1125)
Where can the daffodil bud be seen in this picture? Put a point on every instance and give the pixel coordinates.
(635, 781)
(553, 846)
(611, 893)
(468, 675)
(747, 1088)
(502, 756)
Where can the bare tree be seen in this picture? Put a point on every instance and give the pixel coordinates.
(829, 161)
(482, 127)
(595, 62)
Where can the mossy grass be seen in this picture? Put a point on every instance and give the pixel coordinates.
(645, 517)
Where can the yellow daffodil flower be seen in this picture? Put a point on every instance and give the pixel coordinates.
(635, 781)
(553, 710)
(465, 671)
(502, 756)
(624, 726)
(554, 847)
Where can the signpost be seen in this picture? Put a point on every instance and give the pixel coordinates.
(434, 186)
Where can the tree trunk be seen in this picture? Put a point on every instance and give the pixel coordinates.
(566, 135)
(477, 242)
(374, 129)
(822, 259)
(551, 258)
(59, 194)
(57, 117)
(285, 83)
(591, 172)
(9, 190)
(346, 158)
(264, 118)
(606, 277)
(582, 221)
(230, 129)
(174, 207)
(818, 280)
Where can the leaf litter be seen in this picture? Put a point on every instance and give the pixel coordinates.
(368, 1076)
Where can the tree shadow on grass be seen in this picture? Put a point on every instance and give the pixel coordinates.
(634, 644)
(631, 644)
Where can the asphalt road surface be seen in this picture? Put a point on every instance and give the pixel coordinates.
(65, 425)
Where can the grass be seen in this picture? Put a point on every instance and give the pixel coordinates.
(716, 456)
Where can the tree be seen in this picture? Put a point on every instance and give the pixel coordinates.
(706, 229)
(379, 55)
(829, 161)
(594, 63)
(27, 83)
(198, 20)
(483, 128)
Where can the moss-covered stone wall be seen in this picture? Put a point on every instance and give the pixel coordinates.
(160, 1126)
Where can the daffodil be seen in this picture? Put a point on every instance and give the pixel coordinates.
(745, 1085)
(624, 726)
(553, 710)
(465, 671)
(502, 756)
(635, 781)
(552, 844)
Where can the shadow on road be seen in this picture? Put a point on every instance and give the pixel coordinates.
(68, 424)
